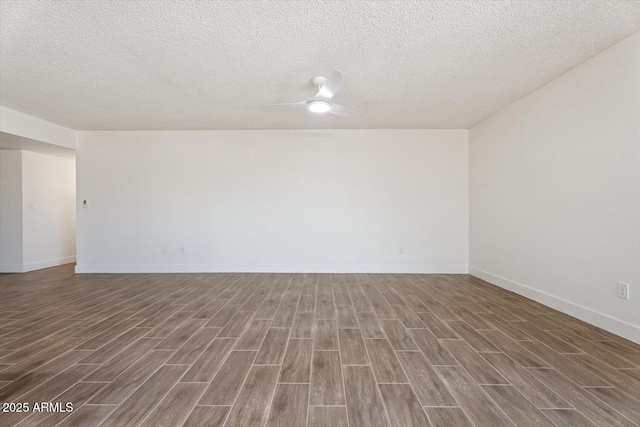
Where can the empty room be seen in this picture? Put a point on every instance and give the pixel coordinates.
(319, 213)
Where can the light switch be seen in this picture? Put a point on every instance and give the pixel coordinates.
(85, 204)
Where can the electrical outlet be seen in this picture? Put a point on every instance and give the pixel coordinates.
(181, 250)
(623, 290)
(400, 251)
(165, 250)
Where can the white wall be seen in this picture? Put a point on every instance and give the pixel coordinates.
(555, 192)
(10, 211)
(323, 200)
(49, 212)
(37, 211)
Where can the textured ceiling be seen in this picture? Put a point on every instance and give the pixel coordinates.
(217, 65)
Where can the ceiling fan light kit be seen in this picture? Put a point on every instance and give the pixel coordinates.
(319, 106)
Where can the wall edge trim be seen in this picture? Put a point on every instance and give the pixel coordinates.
(601, 320)
(11, 268)
(270, 268)
(39, 265)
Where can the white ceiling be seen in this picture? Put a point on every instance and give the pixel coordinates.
(217, 65)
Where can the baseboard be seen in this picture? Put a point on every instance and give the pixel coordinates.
(11, 268)
(272, 268)
(608, 323)
(39, 265)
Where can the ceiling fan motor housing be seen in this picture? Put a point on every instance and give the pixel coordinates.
(318, 81)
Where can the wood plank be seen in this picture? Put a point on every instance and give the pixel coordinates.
(539, 394)
(226, 384)
(564, 364)
(623, 403)
(176, 406)
(436, 326)
(273, 347)
(514, 350)
(48, 390)
(567, 418)
(370, 325)
(181, 335)
(326, 335)
(471, 319)
(346, 316)
(206, 366)
(448, 417)
(307, 304)
(509, 328)
(476, 366)
(633, 373)
(325, 308)
(516, 406)
(364, 403)
(432, 348)
(398, 336)
(109, 335)
(289, 406)
(252, 405)
(408, 318)
(471, 336)
(115, 347)
(169, 325)
(360, 302)
(44, 392)
(88, 415)
(615, 377)
(327, 416)
(428, 386)
(352, 348)
(236, 324)
(504, 313)
(628, 350)
(222, 317)
(590, 406)
(553, 342)
(209, 416)
(189, 352)
(120, 363)
(252, 337)
(443, 312)
(303, 325)
(296, 366)
(480, 409)
(286, 312)
(326, 379)
(595, 350)
(126, 383)
(40, 359)
(77, 394)
(137, 407)
(403, 406)
(384, 362)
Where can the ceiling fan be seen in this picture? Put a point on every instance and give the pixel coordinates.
(322, 101)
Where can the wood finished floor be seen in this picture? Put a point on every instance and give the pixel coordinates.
(303, 350)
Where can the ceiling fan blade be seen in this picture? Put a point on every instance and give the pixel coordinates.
(289, 103)
(331, 86)
(339, 110)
